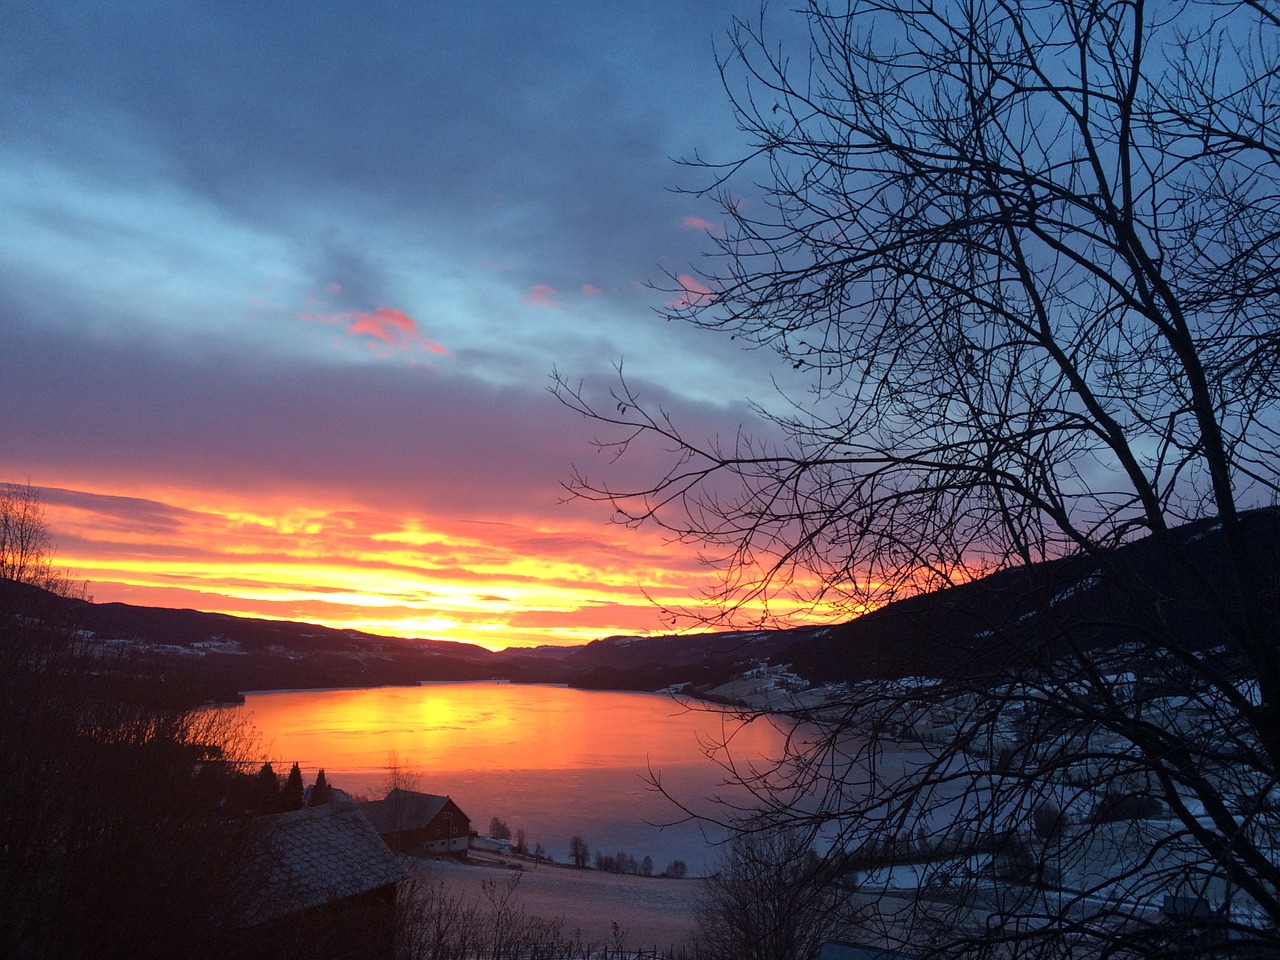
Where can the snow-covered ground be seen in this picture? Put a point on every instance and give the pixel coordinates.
(649, 911)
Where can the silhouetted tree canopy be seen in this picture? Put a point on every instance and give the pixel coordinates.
(1019, 261)
(579, 852)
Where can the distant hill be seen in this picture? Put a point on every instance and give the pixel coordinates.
(220, 655)
(1029, 613)
(975, 627)
(1021, 615)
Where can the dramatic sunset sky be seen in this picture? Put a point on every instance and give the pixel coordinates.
(282, 284)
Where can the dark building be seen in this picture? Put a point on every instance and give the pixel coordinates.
(409, 821)
(327, 887)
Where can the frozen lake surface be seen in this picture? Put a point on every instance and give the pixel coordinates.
(554, 761)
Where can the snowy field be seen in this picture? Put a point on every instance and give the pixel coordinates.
(649, 911)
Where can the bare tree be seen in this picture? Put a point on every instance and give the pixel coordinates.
(1023, 258)
(399, 774)
(37, 602)
(766, 902)
(436, 924)
(24, 535)
(400, 778)
(579, 852)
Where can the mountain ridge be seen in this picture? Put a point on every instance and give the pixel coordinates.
(974, 627)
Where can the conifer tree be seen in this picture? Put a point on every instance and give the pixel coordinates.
(266, 791)
(291, 795)
(321, 793)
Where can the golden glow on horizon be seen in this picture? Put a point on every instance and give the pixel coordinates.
(354, 568)
(497, 584)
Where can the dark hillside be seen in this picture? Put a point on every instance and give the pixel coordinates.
(653, 663)
(216, 655)
(1022, 615)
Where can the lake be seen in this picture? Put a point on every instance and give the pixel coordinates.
(553, 761)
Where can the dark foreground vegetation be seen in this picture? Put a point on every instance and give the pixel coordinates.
(111, 847)
(133, 825)
(438, 924)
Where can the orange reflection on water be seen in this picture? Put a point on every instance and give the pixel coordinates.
(458, 727)
(550, 760)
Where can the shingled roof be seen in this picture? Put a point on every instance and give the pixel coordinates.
(316, 855)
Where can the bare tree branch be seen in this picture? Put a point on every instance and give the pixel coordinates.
(1028, 255)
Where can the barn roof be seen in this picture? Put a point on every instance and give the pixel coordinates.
(403, 810)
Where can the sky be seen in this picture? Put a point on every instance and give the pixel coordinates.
(282, 286)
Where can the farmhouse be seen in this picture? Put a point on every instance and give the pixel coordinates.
(409, 821)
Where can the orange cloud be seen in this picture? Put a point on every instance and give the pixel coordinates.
(494, 584)
(389, 326)
(694, 293)
(541, 295)
(293, 557)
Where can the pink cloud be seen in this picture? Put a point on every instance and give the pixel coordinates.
(390, 326)
(590, 290)
(385, 325)
(697, 223)
(694, 293)
(541, 295)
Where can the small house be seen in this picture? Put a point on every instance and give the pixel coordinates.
(412, 822)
